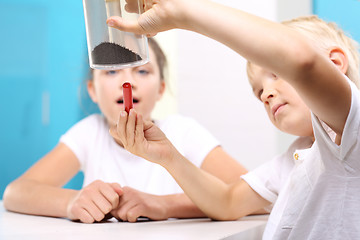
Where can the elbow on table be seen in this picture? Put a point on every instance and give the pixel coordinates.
(11, 196)
(225, 218)
(227, 215)
(231, 210)
(7, 196)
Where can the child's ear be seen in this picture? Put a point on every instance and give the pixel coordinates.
(339, 58)
(91, 90)
(161, 89)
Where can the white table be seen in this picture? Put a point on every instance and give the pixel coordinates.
(19, 226)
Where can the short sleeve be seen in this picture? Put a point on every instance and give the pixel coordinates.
(198, 143)
(189, 137)
(351, 130)
(79, 138)
(264, 180)
(268, 179)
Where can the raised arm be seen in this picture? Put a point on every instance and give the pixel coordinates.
(273, 46)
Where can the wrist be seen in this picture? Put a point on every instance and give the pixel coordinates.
(171, 159)
(69, 204)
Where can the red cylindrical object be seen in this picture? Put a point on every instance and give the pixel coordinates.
(127, 94)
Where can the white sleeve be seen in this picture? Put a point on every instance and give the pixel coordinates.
(79, 138)
(190, 138)
(351, 130)
(264, 180)
(268, 179)
(198, 143)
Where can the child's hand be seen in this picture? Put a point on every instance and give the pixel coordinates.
(143, 139)
(94, 201)
(134, 204)
(159, 15)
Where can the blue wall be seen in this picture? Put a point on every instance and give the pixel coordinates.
(43, 63)
(346, 13)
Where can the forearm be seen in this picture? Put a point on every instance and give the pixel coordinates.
(206, 191)
(30, 197)
(180, 206)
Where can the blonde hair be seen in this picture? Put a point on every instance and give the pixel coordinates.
(326, 35)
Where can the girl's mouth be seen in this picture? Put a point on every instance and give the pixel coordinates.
(121, 101)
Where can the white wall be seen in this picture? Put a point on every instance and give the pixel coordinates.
(209, 83)
(287, 9)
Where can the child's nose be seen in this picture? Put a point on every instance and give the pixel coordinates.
(127, 76)
(267, 95)
(269, 90)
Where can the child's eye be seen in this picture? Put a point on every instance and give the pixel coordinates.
(111, 72)
(143, 72)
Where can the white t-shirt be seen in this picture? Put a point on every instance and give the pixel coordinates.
(102, 158)
(316, 190)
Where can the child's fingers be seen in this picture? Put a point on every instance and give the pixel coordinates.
(95, 211)
(85, 216)
(121, 212)
(147, 124)
(117, 188)
(121, 127)
(111, 195)
(99, 198)
(139, 130)
(124, 25)
(144, 25)
(148, 4)
(87, 211)
(113, 132)
(103, 206)
(133, 6)
(133, 213)
(130, 128)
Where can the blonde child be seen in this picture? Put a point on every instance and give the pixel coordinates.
(117, 183)
(300, 71)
